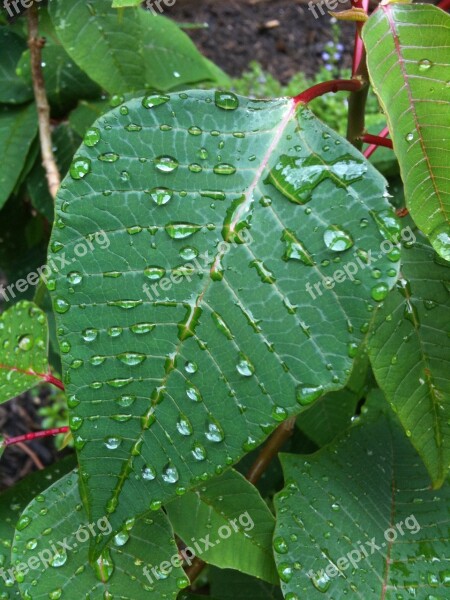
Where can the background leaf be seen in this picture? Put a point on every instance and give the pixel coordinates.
(127, 50)
(409, 350)
(23, 352)
(12, 89)
(227, 584)
(12, 503)
(221, 357)
(346, 496)
(409, 73)
(211, 507)
(120, 570)
(18, 128)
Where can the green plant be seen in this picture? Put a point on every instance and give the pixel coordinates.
(222, 269)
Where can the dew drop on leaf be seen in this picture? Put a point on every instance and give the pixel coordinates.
(337, 239)
(226, 100)
(166, 164)
(80, 167)
(153, 100)
(306, 394)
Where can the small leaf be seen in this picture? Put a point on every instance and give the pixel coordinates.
(410, 75)
(359, 518)
(12, 89)
(232, 523)
(12, 503)
(137, 563)
(409, 348)
(127, 50)
(23, 350)
(18, 128)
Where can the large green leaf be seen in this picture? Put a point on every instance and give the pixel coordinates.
(23, 352)
(358, 519)
(12, 89)
(232, 523)
(12, 503)
(60, 554)
(408, 56)
(127, 50)
(18, 127)
(65, 82)
(410, 349)
(236, 343)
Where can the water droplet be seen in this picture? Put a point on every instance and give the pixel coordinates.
(61, 306)
(153, 100)
(74, 278)
(226, 100)
(264, 273)
(104, 566)
(154, 273)
(285, 572)
(55, 594)
(80, 167)
(133, 127)
(161, 195)
(170, 474)
(59, 559)
(409, 137)
(190, 367)
(148, 473)
(199, 452)
(109, 157)
(224, 169)
(440, 239)
(194, 130)
(337, 239)
(295, 249)
(280, 545)
(322, 582)
(179, 231)
(188, 253)
(166, 164)
(184, 426)
(214, 431)
(193, 393)
(195, 168)
(379, 292)
(23, 522)
(131, 358)
(244, 366)
(425, 64)
(26, 342)
(306, 394)
(112, 443)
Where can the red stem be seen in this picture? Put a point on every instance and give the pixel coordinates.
(358, 52)
(367, 138)
(34, 436)
(375, 144)
(47, 377)
(336, 85)
(444, 4)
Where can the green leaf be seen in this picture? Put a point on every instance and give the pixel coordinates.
(409, 351)
(332, 414)
(125, 3)
(410, 75)
(12, 89)
(127, 50)
(23, 352)
(232, 526)
(82, 117)
(65, 143)
(232, 585)
(63, 552)
(237, 344)
(18, 127)
(12, 503)
(358, 518)
(65, 82)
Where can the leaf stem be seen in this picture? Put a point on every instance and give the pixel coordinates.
(376, 141)
(336, 85)
(36, 44)
(34, 436)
